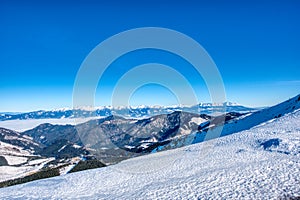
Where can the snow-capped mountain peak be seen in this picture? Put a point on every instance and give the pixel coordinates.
(262, 162)
(140, 111)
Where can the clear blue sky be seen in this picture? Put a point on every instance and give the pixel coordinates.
(255, 44)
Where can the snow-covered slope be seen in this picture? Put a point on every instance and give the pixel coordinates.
(244, 122)
(260, 163)
(21, 156)
(18, 162)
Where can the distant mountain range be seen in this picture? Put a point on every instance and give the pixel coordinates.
(127, 112)
(113, 138)
(259, 163)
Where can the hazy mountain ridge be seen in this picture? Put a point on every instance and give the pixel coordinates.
(262, 162)
(115, 138)
(128, 112)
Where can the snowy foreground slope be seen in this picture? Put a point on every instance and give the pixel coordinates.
(260, 163)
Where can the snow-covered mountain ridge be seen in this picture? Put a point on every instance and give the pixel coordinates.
(260, 163)
(115, 138)
(128, 112)
(227, 127)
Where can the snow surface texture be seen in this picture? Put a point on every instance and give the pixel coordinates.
(260, 163)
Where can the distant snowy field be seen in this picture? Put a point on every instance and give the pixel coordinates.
(26, 124)
(260, 163)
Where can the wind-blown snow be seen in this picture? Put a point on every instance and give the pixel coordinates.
(260, 163)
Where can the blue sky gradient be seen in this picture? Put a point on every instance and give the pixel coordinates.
(255, 45)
